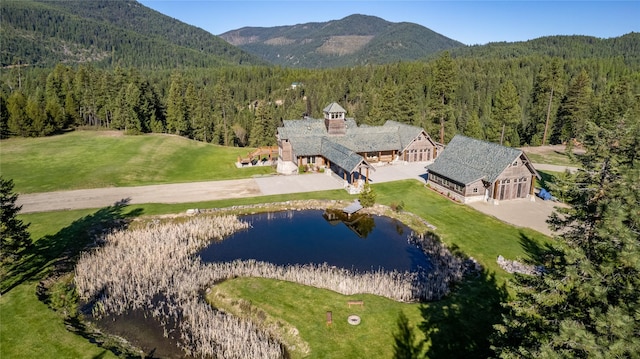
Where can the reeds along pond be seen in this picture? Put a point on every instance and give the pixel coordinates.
(156, 269)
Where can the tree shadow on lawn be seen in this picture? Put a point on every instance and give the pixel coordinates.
(57, 253)
(460, 325)
(543, 254)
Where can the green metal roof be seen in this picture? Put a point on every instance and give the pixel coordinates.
(466, 160)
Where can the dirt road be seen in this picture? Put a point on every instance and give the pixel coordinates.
(169, 193)
(519, 213)
(204, 191)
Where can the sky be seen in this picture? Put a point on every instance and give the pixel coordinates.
(470, 22)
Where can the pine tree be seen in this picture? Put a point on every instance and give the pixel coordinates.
(367, 196)
(473, 127)
(544, 101)
(443, 86)
(18, 123)
(384, 107)
(14, 236)
(587, 303)
(4, 117)
(506, 116)
(223, 103)
(262, 131)
(177, 122)
(201, 119)
(133, 117)
(575, 109)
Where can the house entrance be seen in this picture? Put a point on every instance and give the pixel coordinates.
(511, 189)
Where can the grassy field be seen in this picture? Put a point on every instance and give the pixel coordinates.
(462, 320)
(551, 156)
(95, 159)
(457, 326)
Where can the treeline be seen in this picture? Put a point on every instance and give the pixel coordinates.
(626, 47)
(530, 100)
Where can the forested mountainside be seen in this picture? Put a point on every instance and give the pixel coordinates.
(353, 40)
(517, 101)
(626, 47)
(118, 65)
(105, 33)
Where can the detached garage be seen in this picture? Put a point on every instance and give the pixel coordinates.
(471, 170)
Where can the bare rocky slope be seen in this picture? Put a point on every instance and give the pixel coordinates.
(353, 40)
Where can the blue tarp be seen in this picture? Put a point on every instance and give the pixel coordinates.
(544, 194)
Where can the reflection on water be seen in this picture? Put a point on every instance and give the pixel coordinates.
(361, 224)
(359, 241)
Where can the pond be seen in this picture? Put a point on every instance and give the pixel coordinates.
(358, 242)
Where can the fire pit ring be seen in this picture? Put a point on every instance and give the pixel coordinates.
(353, 320)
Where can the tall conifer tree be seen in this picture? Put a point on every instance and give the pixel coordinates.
(443, 84)
(587, 302)
(575, 109)
(177, 121)
(506, 116)
(14, 236)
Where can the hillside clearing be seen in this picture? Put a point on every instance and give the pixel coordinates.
(97, 159)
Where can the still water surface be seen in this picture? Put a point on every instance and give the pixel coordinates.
(361, 242)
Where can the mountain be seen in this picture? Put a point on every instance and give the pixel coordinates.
(105, 32)
(353, 40)
(625, 47)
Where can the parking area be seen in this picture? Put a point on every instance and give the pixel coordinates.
(521, 212)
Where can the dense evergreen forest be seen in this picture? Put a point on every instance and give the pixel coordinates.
(119, 65)
(517, 101)
(107, 33)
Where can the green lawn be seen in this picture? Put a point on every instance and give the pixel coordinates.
(462, 320)
(457, 326)
(29, 329)
(94, 159)
(305, 308)
(460, 226)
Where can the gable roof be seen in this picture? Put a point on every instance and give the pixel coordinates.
(406, 133)
(340, 155)
(466, 160)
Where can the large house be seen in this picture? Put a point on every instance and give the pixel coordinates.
(338, 144)
(470, 170)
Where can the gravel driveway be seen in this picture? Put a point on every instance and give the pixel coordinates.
(519, 212)
(203, 191)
